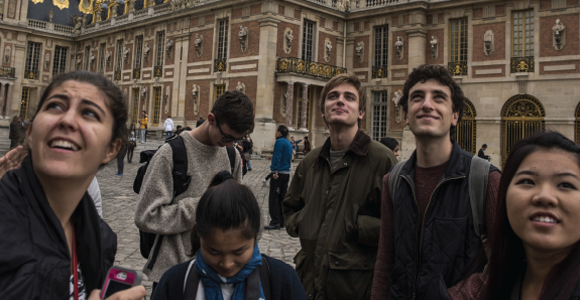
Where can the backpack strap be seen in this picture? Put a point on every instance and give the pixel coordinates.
(260, 276)
(394, 179)
(180, 178)
(478, 176)
(232, 157)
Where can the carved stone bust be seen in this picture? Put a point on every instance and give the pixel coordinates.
(558, 32)
(360, 51)
(399, 47)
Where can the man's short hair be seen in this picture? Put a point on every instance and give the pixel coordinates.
(442, 75)
(283, 130)
(350, 79)
(484, 146)
(236, 110)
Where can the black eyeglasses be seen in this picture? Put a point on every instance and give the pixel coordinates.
(227, 139)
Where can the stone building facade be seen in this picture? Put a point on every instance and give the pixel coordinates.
(516, 61)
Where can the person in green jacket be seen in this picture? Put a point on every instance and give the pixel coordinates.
(333, 203)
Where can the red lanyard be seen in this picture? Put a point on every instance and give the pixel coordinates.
(75, 269)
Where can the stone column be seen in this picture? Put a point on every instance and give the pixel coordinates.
(179, 93)
(417, 44)
(289, 104)
(304, 112)
(2, 100)
(8, 101)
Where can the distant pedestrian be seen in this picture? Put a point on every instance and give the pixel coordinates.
(247, 144)
(120, 158)
(144, 122)
(481, 152)
(132, 143)
(280, 167)
(199, 122)
(392, 144)
(168, 126)
(307, 146)
(178, 129)
(15, 131)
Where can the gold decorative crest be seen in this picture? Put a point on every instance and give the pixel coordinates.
(85, 6)
(62, 4)
(37, 1)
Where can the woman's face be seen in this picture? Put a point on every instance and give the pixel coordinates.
(396, 151)
(227, 252)
(543, 202)
(71, 133)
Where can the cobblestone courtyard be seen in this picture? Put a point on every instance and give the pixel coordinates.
(119, 203)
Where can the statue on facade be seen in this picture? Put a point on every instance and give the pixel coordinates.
(243, 36)
(126, 55)
(398, 95)
(360, 51)
(328, 50)
(146, 50)
(434, 46)
(108, 58)
(198, 42)
(7, 51)
(46, 61)
(288, 38)
(92, 58)
(399, 47)
(195, 93)
(169, 47)
(488, 43)
(131, 5)
(78, 21)
(79, 61)
(143, 92)
(50, 14)
(240, 87)
(558, 33)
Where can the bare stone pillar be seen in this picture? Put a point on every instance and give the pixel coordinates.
(8, 101)
(2, 100)
(304, 112)
(289, 104)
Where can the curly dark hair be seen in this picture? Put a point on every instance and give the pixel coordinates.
(440, 73)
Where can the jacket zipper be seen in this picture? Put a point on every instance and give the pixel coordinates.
(419, 241)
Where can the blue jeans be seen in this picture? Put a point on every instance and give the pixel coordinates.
(143, 132)
(120, 158)
(168, 134)
(248, 164)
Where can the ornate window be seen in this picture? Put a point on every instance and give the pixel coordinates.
(307, 40)
(523, 33)
(59, 60)
(138, 51)
(160, 45)
(380, 106)
(223, 39)
(102, 58)
(381, 52)
(465, 131)
(458, 47)
(219, 90)
(119, 55)
(308, 107)
(32, 58)
(521, 117)
(156, 105)
(135, 110)
(27, 103)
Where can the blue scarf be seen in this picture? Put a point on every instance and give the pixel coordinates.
(211, 280)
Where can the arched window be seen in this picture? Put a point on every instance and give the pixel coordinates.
(521, 116)
(466, 129)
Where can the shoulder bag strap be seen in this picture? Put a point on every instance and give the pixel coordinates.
(180, 179)
(191, 282)
(394, 179)
(478, 175)
(264, 270)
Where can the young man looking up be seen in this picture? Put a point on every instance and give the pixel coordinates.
(333, 203)
(432, 223)
(232, 116)
(280, 168)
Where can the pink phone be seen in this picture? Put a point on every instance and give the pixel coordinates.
(119, 279)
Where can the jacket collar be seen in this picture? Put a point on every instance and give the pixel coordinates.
(359, 146)
(455, 165)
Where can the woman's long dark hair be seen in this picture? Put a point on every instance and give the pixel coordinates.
(226, 205)
(507, 261)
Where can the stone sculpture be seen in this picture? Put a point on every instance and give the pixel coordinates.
(399, 47)
(360, 46)
(434, 46)
(243, 36)
(559, 35)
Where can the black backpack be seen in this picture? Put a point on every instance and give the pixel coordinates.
(181, 182)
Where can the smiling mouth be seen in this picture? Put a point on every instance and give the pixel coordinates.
(544, 219)
(62, 144)
(428, 117)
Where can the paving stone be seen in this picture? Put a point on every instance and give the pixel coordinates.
(119, 202)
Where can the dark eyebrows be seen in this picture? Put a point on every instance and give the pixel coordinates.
(526, 172)
(91, 103)
(437, 92)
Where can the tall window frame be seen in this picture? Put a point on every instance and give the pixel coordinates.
(156, 105)
(102, 58)
(32, 60)
(523, 33)
(219, 90)
(59, 60)
(382, 45)
(222, 40)
(380, 108)
(135, 110)
(27, 102)
(160, 48)
(308, 40)
(308, 108)
(458, 40)
(138, 51)
(119, 65)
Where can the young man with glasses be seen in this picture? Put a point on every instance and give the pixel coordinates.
(231, 118)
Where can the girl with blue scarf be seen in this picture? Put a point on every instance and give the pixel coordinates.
(228, 264)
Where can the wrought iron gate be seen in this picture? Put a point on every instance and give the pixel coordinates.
(465, 133)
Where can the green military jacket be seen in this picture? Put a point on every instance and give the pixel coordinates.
(336, 215)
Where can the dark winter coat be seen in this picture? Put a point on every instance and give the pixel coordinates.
(337, 217)
(34, 255)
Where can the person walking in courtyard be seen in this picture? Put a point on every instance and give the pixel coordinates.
(481, 152)
(333, 203)
(247, 144)
(132, 143)
(430, 236)
(280, 170)
(120, 159)
(15, 132)
(168, 127)
(167, 208)
(144, 123)
(307, 146)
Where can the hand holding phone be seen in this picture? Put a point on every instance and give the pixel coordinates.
(119, 279)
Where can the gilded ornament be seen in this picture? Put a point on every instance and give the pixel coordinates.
(61, 4)
(85, 6)
(37, 1)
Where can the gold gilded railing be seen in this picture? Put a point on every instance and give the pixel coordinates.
(522, 64)
(220, 65)
(158, 71)
(457, 68)
(295, 65)
(6, 72)
(380, 71)
(136, 73)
